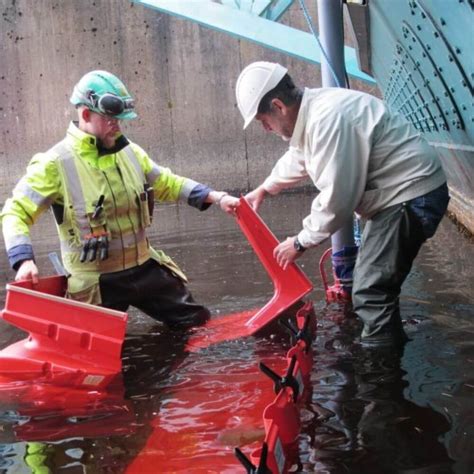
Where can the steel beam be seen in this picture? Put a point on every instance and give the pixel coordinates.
(276, 9)
(249, 26)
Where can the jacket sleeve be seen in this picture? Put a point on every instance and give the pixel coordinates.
(340, 153)
(32, 195)
(170, 187)
(289, 170)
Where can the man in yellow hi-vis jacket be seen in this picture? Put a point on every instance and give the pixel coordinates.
(101, 188)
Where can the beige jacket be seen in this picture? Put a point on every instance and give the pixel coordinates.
(360, 156)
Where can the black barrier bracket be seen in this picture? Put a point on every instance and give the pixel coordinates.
(249, 467)
(303, 334)
(280, 382)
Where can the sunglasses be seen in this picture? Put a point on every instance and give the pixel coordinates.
(110, 104)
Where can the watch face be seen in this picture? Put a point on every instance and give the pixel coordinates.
(298, 246)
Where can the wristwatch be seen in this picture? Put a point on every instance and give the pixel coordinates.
(298, 246)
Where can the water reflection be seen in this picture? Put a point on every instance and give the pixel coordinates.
(363, 422)
(368, 413)
(40, 419)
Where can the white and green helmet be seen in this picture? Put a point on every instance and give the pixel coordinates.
(104, 93)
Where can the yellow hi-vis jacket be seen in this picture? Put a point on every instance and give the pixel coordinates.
(73, 176)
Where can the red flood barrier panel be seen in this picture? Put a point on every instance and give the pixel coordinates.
(69, 342)
(290, 285)
(281, 417)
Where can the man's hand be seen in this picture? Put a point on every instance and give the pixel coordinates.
(229, 203)
(285, 252)
(222, 199)
(27, 271)
(255, 197)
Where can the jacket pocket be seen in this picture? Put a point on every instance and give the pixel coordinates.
(142, 202)
(84, 288)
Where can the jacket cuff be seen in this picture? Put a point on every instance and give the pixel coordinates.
(197, 196)
(306, 240)
(271, 187)
(18, 254)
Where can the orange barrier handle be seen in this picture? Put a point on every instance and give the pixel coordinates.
(322, 269)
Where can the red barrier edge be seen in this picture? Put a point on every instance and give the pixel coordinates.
(69, 341)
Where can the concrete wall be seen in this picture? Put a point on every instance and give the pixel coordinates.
(182, 76)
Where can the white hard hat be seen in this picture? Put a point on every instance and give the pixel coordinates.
(253, 83)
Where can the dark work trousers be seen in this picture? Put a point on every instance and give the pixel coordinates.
(390, 242)
(156, 291)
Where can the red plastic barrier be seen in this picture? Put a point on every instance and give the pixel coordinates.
(302, 349)
(281, 418)
(335, 293)
(307, 310)
(304, 363)
(290, 286)
(69, 342)
(282, 426)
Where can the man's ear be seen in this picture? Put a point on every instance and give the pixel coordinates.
(85, 114)
(279, 106)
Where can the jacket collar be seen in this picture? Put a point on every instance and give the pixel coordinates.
(297, 139)
(90, 144)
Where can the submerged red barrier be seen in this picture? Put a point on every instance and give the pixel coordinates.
(65, 376)
(52, 412)
(203, 415)
(282, 426)
(69, 342)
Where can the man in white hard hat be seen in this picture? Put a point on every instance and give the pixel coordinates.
(362, 158)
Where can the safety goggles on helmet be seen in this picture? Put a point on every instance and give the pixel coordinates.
(110, 104)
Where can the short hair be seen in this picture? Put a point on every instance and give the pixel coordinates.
(285, 90)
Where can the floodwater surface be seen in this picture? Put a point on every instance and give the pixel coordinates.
(174, 411)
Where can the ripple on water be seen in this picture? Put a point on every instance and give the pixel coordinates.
(365, 414)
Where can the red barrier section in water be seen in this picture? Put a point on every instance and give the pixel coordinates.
(301, 350)
(290, 286)
(204, 415)
(281, 418)
(69, 342)
(51, 412)
(282, 426)
(217, 403)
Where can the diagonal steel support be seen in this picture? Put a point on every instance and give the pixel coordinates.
(250, 26)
